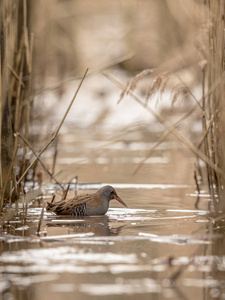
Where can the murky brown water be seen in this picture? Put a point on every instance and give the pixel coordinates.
(128, 253)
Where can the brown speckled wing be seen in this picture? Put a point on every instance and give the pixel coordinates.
(75, 206)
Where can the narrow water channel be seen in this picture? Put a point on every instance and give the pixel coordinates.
(163, 246)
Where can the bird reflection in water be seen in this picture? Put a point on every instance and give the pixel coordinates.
(98, 225)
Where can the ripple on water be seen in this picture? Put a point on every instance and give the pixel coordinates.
(59, 254)
(127, 287)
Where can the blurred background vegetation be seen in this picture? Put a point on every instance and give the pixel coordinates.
(70, 35)
(46, 44)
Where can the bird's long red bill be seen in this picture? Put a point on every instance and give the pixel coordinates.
(120, 200)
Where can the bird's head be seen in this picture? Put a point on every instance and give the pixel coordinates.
(108, 193)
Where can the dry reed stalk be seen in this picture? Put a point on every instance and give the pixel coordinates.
(65, 192)
(219, 218)
(214, 141)
(40, 220)
(206, 130)
(197, 202)
(18, 97)
(40, 160)
(16, 207)
(16, 76)
(55, 156)
(196, 182)
(34, 177)
(53, 199)
(23, 198)
(75, 182)
(24, 62)
(10, 196)
(1, 173)
(10, 170)
(40, 179)
(28, 100)
(162, 138)
(57, 130)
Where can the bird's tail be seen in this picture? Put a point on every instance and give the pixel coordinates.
(50, 206)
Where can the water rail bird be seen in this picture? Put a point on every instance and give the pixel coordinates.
(86, 204)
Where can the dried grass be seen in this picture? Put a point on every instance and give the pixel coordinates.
(169, 127)
(214, 108)
(158, 82)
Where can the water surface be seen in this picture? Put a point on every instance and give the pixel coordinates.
(163, 246)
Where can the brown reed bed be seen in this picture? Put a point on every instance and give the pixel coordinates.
(16, 112)
(16, 104)
(16, 74)
(214, 111)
